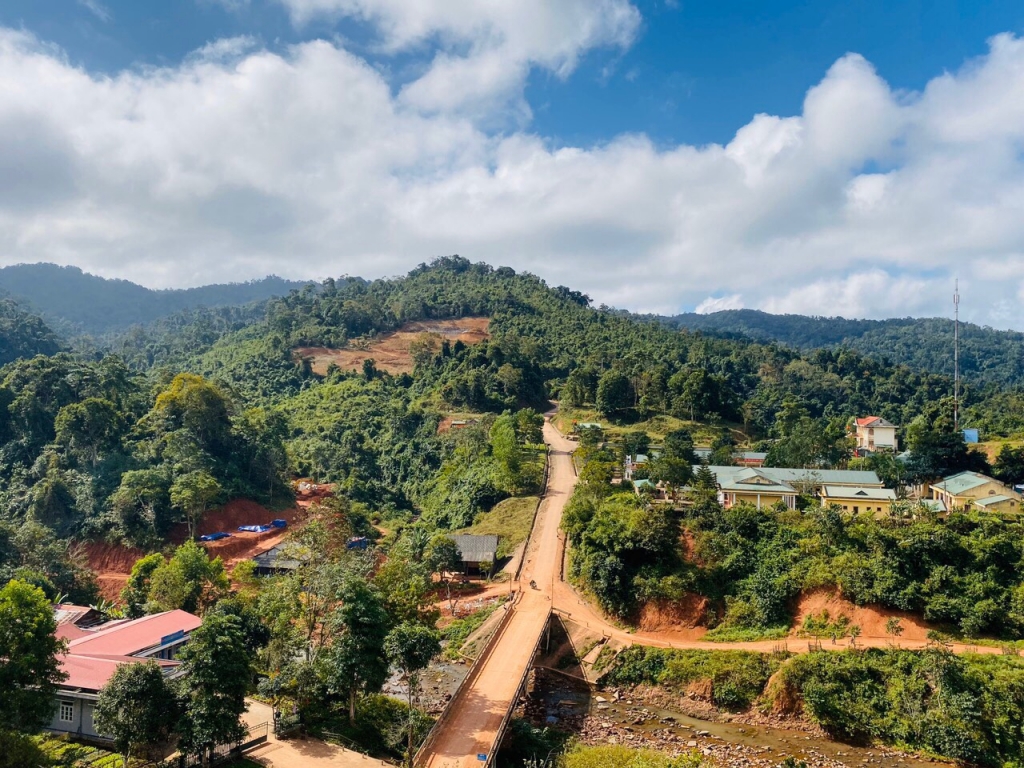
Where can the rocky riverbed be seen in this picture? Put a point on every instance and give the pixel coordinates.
(640, 718)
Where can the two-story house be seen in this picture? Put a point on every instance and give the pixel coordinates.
(874, 433)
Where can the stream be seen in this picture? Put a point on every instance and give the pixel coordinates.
(557, 702)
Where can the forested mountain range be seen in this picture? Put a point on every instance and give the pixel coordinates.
(127, 441)
(74, 301)
(987, 355)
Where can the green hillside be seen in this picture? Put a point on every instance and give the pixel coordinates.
(77, 302)
(988, 356)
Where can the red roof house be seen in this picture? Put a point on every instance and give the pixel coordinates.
(95, 652)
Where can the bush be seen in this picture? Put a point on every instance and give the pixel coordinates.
(737, 678)
(618, 756)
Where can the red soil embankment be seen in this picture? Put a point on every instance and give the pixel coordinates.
(111, 563)
(870, 618)
(240, 545)
(681, 619)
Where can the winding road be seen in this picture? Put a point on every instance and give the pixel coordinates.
(475, 718)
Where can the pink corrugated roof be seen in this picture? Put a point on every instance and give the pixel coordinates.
(129, 638)
(93, 656)
(91, 673)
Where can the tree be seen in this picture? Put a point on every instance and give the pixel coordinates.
(216, 672)
(198, 407)
(410, 647)
(679, 445)
(136, 709)
(189, 581)
(443, 558)
(140, 505)
(88, 428)
(1009, 465)
(893, 627)
(29, 670)
(635, 443)
(614, 394)
(136, 590)
(529, 426)
(193, 493)
(506, 449)
(356, 662)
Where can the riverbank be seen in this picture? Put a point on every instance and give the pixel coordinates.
(645, 717)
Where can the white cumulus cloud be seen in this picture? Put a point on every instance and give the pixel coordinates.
(240, 161)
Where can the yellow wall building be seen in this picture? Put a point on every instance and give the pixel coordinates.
(877, 501)
(972, 489)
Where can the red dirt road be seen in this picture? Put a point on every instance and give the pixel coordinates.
(477, 714)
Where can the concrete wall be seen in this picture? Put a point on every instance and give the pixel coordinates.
(81, 723)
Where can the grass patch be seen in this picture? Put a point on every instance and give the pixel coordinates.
(745, 635)
(621, 756)
(656, 426)
(64, 753)
(604, 658)
(510, 520)
(459, 630)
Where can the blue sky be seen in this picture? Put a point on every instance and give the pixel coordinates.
(808, 157)
(697, 72)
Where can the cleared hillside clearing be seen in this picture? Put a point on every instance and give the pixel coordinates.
(392, 351)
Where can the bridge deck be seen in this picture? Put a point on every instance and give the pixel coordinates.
(475, 716)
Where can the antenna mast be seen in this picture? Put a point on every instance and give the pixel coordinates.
(956, 356)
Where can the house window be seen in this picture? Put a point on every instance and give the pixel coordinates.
(856, 509)
(67, 711)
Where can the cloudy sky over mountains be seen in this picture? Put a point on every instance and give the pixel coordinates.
(583, 140)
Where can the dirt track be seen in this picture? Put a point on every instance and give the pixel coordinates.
(568, 601)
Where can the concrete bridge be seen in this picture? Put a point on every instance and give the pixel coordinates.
(470, 730)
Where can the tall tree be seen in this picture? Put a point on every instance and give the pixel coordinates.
(356, 663)
(193, 493)
(410, 647)
(29, 669)
(506, 449)
(614, 394)
(190, 580)
(136, 708)
(136, 590)
(216, 673)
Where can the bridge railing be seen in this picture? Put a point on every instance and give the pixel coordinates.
(493, 753)
(428, 743)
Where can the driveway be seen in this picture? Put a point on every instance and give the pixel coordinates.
(301, 751)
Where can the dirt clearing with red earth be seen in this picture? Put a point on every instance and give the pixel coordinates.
(391, 351)
(113, 563)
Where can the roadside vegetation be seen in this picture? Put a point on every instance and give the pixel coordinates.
(136, 442)
(961, 707)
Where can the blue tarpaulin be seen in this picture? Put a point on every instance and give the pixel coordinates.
(255, 528)
(214, 536)
(279, 523)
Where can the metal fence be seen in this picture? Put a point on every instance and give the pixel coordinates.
(222, 752)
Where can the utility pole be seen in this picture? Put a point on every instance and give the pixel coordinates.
(956, 356)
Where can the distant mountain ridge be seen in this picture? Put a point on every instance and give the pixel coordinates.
(73, 301)
(986, 355)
